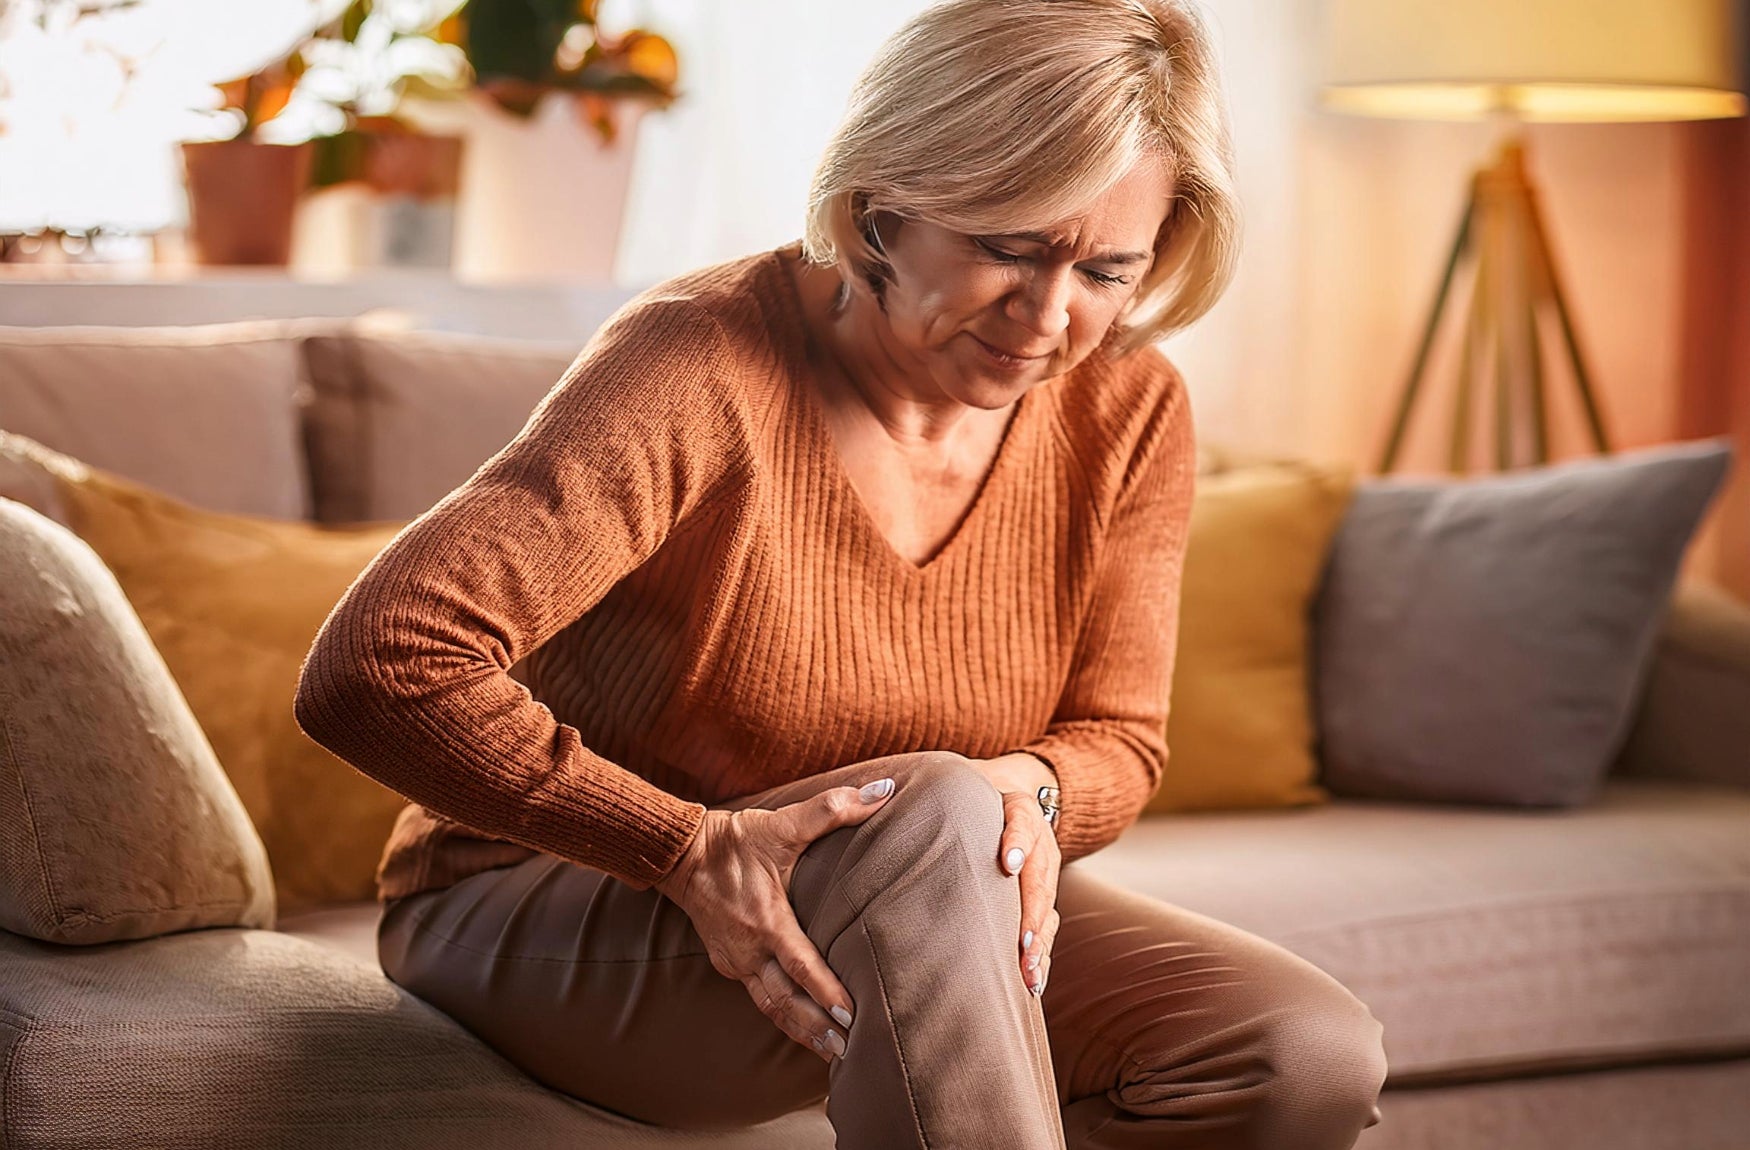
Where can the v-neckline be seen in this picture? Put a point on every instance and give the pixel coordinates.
(825, 447)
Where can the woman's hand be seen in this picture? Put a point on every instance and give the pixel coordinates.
(1029, 848)
(734, 884)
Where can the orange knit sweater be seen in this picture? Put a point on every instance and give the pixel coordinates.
(665, 592)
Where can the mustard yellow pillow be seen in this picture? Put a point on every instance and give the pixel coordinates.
(233, 604)
(1240, 728)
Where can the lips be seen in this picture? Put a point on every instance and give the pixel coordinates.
(1011, 354)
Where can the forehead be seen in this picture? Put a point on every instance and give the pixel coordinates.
(1126, 215)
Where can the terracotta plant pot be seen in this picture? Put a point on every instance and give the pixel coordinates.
(241, 199)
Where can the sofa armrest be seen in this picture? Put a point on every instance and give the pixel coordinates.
(1694, 717)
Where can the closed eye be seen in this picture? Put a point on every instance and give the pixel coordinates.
(1105, 279)
(996, 253)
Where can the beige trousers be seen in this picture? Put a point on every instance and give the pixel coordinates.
(1159, 1027)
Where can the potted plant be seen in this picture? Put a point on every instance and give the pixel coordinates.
(541, 198)
(522, 51)
(383, 190)
(242, 191)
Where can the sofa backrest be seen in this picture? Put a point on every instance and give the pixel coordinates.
(396, 420)
(321, 419)
(208, 414)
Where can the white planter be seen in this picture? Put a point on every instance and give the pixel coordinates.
(540, 199)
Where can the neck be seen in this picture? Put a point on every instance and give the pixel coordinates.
(869, 368)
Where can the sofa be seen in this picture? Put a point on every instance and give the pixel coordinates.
(1551, 978)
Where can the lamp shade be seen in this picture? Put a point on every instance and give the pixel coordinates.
(1598, 60)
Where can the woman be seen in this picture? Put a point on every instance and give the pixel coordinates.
(835, 576)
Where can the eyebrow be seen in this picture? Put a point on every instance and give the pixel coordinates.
(1051, 242)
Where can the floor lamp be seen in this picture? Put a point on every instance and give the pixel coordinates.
(1513, 62)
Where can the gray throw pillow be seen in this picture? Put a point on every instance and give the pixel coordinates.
(1485, 640)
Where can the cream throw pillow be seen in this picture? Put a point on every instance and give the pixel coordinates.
(1240, 728)
(233, 603)
(116, 820)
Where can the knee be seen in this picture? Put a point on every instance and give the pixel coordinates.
(1328, 1064)
(943, 811)
(1305, 1072)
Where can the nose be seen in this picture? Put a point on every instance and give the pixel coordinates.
(1042, 302)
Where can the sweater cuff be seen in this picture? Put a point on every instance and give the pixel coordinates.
(631, 828)
(1101, 790)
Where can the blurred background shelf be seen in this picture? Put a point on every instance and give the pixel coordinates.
(550, 311)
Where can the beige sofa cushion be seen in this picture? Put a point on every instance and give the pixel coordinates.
(207, 413)
(1489, 940)
(399, 419)
(250, 1038)
(116, 821)
(233, 602)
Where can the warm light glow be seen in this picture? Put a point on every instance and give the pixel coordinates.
(1566, 102)
(1582, 60)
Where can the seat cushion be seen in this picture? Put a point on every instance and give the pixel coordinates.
(347, 927)
(1487, 940)
(208, 413)
(251, 1038)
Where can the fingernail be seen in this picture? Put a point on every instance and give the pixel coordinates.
(843, 1015)
(876, 791)
(817, 1044)
(1014, 859)
(1032, 962)
(1037, 990)
(1027, 940)
(835, 1044)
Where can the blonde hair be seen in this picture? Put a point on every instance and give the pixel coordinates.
(992, 116)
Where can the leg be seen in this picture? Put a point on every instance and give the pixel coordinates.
(606, 993)
(914, 914)
(598, 991)
(1171, 1029)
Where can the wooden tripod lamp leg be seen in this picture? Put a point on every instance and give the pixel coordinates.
(1413, 384)
(1540, 246)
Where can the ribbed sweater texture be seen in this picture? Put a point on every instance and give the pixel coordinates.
(665, 592)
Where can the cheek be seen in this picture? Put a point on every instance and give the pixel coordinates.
(956, 305)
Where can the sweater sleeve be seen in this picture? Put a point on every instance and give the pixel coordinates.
(1106, 740)
(408, 679)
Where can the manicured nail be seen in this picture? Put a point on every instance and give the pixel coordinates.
(1027, 941)
(843, 1015)
(1014, 859)
(835, 1043)
(1037, 990)
(1032, 962)
(876, 791)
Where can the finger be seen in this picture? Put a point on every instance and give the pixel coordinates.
(834, 808)
(775, 1006)
(1038, 988)
(1036, 954)
(801, 961)
(1019, 835)
(1038, 908)
(804, 1020)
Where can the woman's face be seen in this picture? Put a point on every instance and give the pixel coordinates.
(987, 317)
